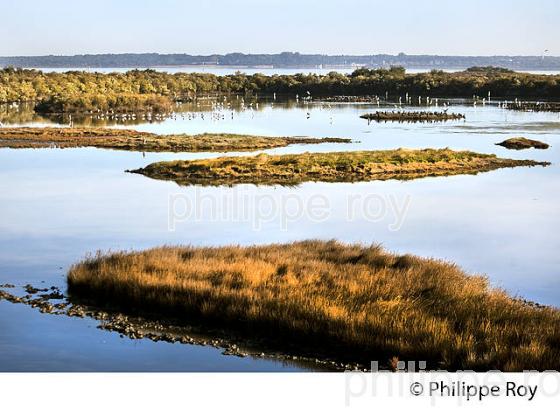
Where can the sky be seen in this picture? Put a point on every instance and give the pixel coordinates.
(460, 27)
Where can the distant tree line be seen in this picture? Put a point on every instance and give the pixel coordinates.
(285, 59)
(139, 90)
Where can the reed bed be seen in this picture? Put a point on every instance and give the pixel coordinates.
(352, 302)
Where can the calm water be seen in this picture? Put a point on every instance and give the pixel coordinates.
(58, 205)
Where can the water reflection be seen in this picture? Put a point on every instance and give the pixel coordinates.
(58, 205)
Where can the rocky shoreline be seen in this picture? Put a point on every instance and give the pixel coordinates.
(52, 301)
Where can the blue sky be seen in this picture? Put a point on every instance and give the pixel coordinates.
(474, 27)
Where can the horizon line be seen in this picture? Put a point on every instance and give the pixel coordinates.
(279, 53)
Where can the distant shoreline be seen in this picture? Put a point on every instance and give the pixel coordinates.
(257, 67)
(286, 60)
(250, 70)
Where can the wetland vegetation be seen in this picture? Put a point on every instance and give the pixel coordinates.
(131, 140)
(328, 167)
(118, 103)
(136, 90)
(323, 300)
(357, 302)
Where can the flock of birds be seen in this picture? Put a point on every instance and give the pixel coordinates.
(222, 109)
(206, 109)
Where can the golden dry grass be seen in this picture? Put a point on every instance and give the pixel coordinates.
(328, 167)
(354, 302)
(131, 140)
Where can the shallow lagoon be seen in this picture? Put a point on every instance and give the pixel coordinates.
(58, 205)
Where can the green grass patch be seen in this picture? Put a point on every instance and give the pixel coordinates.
(328, 167)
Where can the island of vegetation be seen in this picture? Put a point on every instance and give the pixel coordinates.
(328, 167)
(131, 140)
(149, 90)
(412, 116)
(522, 143)
(356, 303)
